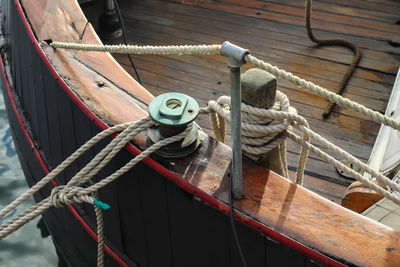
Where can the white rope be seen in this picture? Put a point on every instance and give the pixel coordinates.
(320, 91)
(349, 158)
(100, 233)
(59, 198)
(143, 50)
(261, 128)
(72, 193)
(279, 119)
(215, 49)
(250, 145)
(262, 131)
(348, 170)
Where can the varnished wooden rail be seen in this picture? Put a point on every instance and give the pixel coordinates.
(271, 205)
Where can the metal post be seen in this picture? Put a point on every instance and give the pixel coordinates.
(235, 56)
(236, 120)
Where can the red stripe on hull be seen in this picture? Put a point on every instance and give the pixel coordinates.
(76, 215)
(315, 255)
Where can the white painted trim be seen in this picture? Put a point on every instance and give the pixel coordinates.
(382, 140)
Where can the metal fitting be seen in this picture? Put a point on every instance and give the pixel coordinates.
(109, 22)
(234, 53)
(173, 112)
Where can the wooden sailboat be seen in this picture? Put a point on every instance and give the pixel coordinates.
(164, 213)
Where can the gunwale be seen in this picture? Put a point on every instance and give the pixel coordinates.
(254, 175)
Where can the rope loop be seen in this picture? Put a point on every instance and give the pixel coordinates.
(262, 129)
(65, 195)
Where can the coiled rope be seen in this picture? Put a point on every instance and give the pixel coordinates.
(281, 118)
(262, 129)
(282, 123)
(315, 89)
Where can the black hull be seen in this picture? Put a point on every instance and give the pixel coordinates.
(152, 222)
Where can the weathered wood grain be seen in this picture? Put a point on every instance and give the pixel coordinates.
(155, 26)
(104, 62)
(283, 18)
(276, 41)
(336, 19)
(270, 199)
(335, 8)
(358, 197)
(57, 20)
(259, 90)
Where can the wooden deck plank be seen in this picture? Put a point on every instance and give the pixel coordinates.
(203, 92)
(258, 24)
(304, 60)
(268, 198)
(233, 31)
(160, 22)
(383, 88)
(390, 7)
(297, 31)
(334, 8)
(374, 99)
(299, 11)
(283, 18)
(150, 24)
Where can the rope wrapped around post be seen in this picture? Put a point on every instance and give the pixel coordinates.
(215, 49)
(256, 134)
(259, 90)
(262, 129)
(315, 89)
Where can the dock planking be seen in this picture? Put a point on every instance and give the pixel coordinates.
(275, 32)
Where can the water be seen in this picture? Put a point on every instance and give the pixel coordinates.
(25, 247)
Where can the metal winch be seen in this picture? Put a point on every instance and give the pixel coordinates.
(173, 112)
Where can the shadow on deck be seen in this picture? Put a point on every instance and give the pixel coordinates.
(275, 32)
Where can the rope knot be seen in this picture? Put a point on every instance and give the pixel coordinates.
(66, 195)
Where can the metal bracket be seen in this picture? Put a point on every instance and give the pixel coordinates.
(235, 55)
